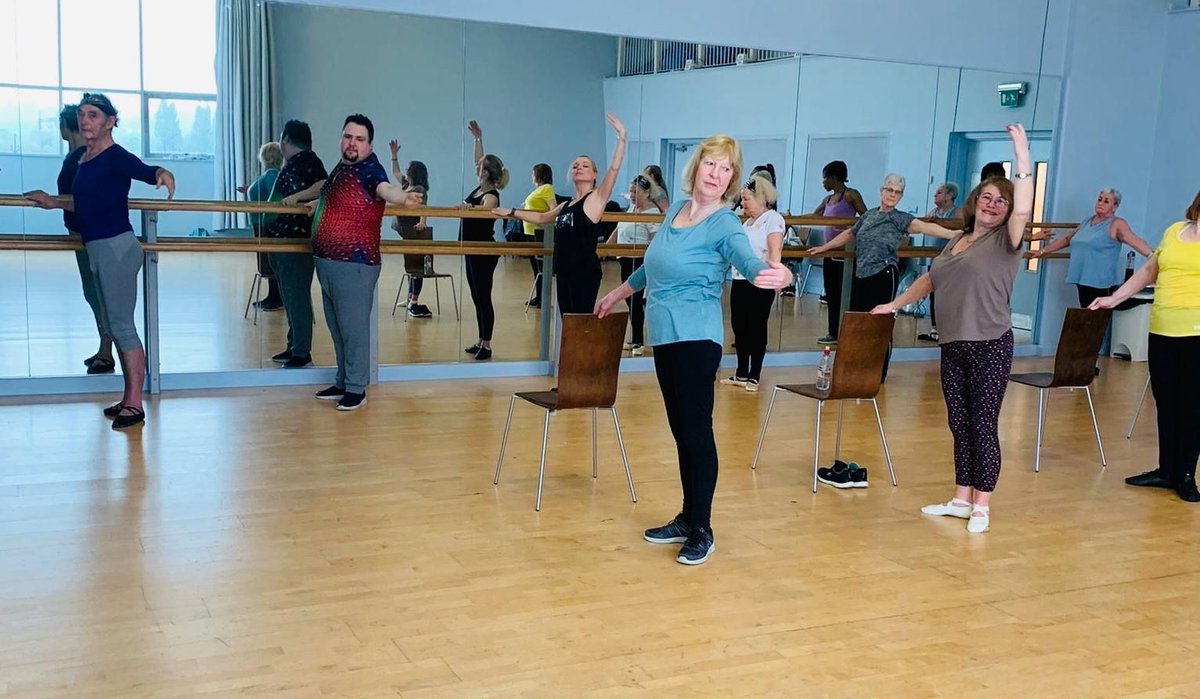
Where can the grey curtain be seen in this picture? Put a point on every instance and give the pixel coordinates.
(245, 96)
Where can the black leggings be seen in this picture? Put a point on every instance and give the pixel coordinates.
(1087, 294)
(868, 292)
(974, 379)
(577, 290)
(831, 272)
(686, 371)
(480, 271)
(749, 310)
(536, 263)
(636, 303)
(1175, 380)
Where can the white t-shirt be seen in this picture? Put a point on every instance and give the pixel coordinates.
(629, 233)
(770, 221)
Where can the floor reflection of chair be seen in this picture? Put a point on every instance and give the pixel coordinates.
(421, 267)
(533, 291)
(857, 375)
(1074, 367)
(1138, 409)
(588, 364)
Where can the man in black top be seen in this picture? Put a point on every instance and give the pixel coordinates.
(302, 173)
(68, 127)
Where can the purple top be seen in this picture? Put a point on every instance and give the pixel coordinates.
(838, 209)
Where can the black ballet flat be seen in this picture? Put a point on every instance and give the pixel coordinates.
(113, 410)
(473, 349)
(483, 354)
(129, 417)
(101, 365)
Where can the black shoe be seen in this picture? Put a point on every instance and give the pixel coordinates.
(786, 292)
(296, 362)
(270, 305)
(1152, 479)
(113, 410)
(473, 349)
(331, 393)
(858, 475)
(536, 303)
(101, 365)
(282, 356)
(698, 547)
(1187, 489)
(674, 532)
(352, 401)
(483, 353)
(418, 310)
(838, 476)
(130, 416)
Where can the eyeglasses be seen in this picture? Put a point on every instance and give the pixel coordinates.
(989, 199)
(892, 190)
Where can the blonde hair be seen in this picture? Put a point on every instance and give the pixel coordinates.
(271, 155)
(763, 190)
(718, 146)
(496, 172)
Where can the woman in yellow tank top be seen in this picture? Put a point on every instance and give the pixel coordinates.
(1174, 352)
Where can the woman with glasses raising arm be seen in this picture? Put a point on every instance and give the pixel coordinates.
(974, 278)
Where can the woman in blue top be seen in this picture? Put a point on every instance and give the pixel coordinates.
(682, 275)
(101, 203)
(270, 157)
(1095, 265)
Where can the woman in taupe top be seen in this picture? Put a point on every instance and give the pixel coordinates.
(974, 277)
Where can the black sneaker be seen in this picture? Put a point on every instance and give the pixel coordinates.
(296, 362)
(271, 306)
(352, 401)
(1151, 479)
(473, 349)
(484, 354)
(422, 311)
(698, 547)
(1187, 489)
(838, 476)
(331, 393)
(282, 356)
(674, 532)
(858, 475)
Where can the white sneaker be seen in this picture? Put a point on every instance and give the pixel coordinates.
(627, 346)
(954, 508)
(978, 522)
(752, 385)
(636, 350)
(734, 381)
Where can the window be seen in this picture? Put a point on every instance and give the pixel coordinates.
(181, 128)
(174, 59)
(28, 42)
(29, 121)
(100, 47)
(1041, 173)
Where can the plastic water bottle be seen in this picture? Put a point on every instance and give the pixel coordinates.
(1129, 265)
(824, 370)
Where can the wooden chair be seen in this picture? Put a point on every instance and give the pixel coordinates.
(588, 364)
(1074, 367)
(421, 267)
(857, 372)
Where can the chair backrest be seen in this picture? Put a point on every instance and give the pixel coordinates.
(589, 359)
(415, 264)
(861, 350)
(1078, 345)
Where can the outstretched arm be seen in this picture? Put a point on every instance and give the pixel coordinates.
(915, 292)
(1145, 276)
(1125, 234)
(931, 229)
(838, 241)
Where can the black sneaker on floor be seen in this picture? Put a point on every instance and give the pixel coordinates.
(1151, 479)
(1187, 489)
(422, 311)
(698, 547)
(297, 362)
(858, 475)
(484, 354)
(352, 401)
(271, 306)
(331, 393)
(282, 356)
(838, 476)
(473, 349)
(674, 532)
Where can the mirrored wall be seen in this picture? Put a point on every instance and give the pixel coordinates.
(539, 98)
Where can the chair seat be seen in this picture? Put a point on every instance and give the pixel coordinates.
(1037, 379)
(547, 400)
(422, 275)
(808, 390)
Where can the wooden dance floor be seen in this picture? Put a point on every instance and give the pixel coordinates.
(257, 542)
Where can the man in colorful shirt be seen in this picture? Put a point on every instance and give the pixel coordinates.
(348, 218)
(302, 172)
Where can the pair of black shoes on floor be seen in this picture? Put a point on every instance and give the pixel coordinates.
(1186, 488)
(843, 475)
(481, 353)
(697, 541)
(292, 361)
(124, 416)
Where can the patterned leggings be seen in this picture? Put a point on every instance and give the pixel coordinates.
(974, 378)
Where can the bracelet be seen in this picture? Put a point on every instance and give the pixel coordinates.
(1023, 175)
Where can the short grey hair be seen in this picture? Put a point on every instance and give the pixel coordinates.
(893, 180)
(951, 189)
(1114, 193)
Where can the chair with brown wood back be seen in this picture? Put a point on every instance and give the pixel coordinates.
(588, 364)
(1074, 367)
(857, 371)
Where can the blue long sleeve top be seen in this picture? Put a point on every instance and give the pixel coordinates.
(683, 272)
(101, 191)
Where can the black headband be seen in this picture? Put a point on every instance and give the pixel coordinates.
(98, 101)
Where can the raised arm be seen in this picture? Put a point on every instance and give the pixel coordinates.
(1022, 205)
(594, 205)
(394, 146)
(1122, 232)
(473, 127)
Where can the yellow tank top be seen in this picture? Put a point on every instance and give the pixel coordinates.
(1176, 309)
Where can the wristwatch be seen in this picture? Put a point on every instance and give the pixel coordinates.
(1023, 175)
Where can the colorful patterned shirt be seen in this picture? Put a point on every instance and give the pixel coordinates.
(349, 215)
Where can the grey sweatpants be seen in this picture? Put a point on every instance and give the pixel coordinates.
(348, 292)
(91, 292)
(115, 262)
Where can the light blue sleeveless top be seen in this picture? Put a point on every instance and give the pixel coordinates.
(1095, 256)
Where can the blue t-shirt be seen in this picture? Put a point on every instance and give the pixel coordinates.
(101, 190)
(683, 273)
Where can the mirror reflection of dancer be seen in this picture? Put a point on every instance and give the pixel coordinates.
(683, 274)
(414, 178)
(481, 269)
(841, 202)
(100, 201)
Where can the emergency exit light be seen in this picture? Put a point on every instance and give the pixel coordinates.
(1011, 94)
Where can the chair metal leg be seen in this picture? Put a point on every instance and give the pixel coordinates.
(624, 458)
(437, 295)
(537, 505)
(1037, 449)
(454, 297)
(887, 454)
(594, 473)
(1137, 410)
(837, 445)
(763, 432)
(504, 440)
(399, 290)
(817, 444)
(532, 291)
(1087, 391)
(254, 288)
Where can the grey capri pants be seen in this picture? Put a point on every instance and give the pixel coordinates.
(115, 263)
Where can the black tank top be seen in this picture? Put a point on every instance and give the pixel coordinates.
(479, 229)
(575, 237)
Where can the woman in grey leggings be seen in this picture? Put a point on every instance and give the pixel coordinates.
(101, 205)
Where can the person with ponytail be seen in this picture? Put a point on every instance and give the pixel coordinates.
(481, 269)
